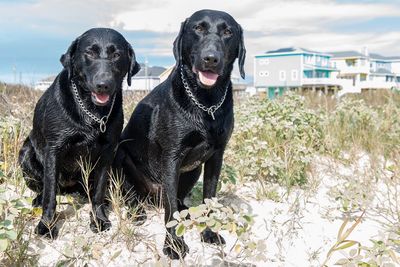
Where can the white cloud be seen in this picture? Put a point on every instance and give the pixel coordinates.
(254, 15)
(275, 24)
(313, 24)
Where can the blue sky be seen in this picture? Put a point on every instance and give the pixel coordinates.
(34, 33)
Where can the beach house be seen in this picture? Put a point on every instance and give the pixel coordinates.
(343, 71)
(294, 68)
(367, 71)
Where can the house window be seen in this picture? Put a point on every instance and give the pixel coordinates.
(323, 61)
(264, 61)
(295, 75)
(363, 77)
(350, 62)
(308, 74)
(282, 75)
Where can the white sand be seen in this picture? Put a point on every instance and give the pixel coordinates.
(298, 231)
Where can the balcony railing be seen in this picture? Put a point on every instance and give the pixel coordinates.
(348, 83)
(354, 69)
(377, 85)
(344, 83)
(324, 81)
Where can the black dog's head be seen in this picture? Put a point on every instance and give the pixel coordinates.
(209, 42)
(99, 59)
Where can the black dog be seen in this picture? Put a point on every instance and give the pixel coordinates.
(187, 120)
(79, 116)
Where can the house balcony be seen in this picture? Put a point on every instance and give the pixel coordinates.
(328, 66)
(378, 85)
(353, 69)
(345, 84)
(321, 81)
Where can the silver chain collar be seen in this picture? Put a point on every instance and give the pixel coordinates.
(210, 110)
(103, 121)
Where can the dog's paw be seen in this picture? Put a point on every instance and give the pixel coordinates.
(175, 248)
(100, 225)
(211, 237)
(46, 231)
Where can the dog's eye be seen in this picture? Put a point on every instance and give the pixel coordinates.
(198, 28)
(90, 53)
(227, 32)
(116, 56)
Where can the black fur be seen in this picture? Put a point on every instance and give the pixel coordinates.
(62, 133)
(168, 138)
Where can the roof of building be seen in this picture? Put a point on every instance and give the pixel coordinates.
(336, 54)
(154, 71)
(293, 49)
(290, 51)
(49, 79)
(356, 54)
(378, 56)
(346, 54)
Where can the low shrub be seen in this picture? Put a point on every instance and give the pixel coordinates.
(274, 141)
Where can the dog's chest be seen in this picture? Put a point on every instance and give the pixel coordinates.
(195, 156)
(85, 146)
(200, 146)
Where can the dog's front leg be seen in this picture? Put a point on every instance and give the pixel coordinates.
(212, 171)
(174, 246)
(99, 221)
(46, 226)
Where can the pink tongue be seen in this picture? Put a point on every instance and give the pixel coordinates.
(101, 98)
(207, 77)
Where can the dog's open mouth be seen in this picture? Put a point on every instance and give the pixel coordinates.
(207, 78)
(100, 99)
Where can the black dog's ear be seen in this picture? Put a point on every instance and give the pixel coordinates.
(67, 58)
(134, 67)
(241, 53)
(178, 44)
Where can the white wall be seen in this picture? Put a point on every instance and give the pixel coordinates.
(142, 83)
(378, 78)
(396, 67)
(278, 71)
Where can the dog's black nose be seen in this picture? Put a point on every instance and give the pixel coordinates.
(102, 86)
(210, 59)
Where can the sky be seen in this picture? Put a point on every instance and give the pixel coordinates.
(34, 33)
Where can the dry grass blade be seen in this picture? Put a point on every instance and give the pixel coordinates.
(341, 242)
(350, 230)
(339, 236)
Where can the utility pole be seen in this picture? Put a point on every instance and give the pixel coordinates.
(146, 73)
(14, 68)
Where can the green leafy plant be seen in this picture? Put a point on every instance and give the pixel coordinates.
(215, 216)
(351, 196)
(15, 213)
(353, 123)
(275, 140)
(228, 175)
